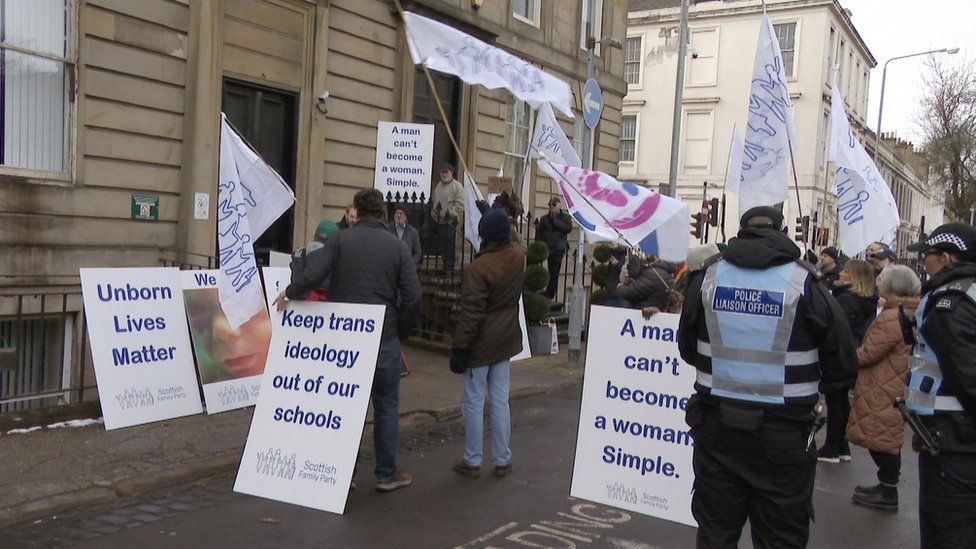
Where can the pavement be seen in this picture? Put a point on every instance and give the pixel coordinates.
(52, 471)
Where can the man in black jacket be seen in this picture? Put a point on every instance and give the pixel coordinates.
(766, 337)
(368, 264)
(406, 232)
(942, 387)
(553, 228)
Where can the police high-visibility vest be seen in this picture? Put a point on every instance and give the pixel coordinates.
(750, 316)
(925, 393)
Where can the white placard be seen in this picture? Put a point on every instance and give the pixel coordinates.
(633, 449)
(404, 154)
(140, 345)
(278, 259)
(309, 419)
(523, 325)
(229, 362)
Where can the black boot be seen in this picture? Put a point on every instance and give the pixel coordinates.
(885, 499)
(863, 489)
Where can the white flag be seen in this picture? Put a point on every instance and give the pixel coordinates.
(866, 208)
(764, 180)
(250, 197)
(622, 212)
(550, 140)
(472, 215)
(449, 50)
(733, 170)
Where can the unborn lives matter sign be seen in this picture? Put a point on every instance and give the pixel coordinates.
(633, 448)
(404, 153)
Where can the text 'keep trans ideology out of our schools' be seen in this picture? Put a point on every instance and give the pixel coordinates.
(324, 353)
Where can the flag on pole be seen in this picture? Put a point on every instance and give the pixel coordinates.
(549, 139)
(866, 208)
(472, 215)
(449, 50)
(250, 197)
(764, 179)
(608, 209)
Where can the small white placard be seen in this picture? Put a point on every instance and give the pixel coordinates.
(404, 154)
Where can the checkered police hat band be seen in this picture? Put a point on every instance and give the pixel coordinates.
(948, 238)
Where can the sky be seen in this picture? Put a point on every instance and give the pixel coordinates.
(892, 28)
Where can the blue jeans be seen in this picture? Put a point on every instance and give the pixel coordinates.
(386, 408)
(494, 379)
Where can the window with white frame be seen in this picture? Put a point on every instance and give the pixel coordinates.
(628, 138)
(698, 142)
(703, 64)
(517, 141)
(34, 64)
(786, 34)
(841, 66)
(831, 49)
(526, 10)
(864, 96)
(597, 32)
(632, 61)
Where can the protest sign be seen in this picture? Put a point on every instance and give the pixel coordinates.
(140, 345)
(404, 154)
(230, 362)
(307, 425)
(633, 449)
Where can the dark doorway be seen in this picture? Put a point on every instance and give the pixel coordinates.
(425, 112)
(267, 119)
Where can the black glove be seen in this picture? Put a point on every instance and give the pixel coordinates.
(459, 360)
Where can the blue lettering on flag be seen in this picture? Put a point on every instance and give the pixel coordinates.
(748, 301)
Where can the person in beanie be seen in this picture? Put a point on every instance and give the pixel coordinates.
(446, 207)
(766, 338)
(300, 258)
(553, 229)
(942, 386)
(829, 266)
(487, 336)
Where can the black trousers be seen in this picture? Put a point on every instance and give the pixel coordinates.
(555, 264)
(889, 466)
(445, 238)
(765, 476)
(947, 499)
(838, 412)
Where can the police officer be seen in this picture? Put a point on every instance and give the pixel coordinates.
(942, 386)
(766, 337)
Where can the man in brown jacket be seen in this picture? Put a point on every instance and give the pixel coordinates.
(486, 337)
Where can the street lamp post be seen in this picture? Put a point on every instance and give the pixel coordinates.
(884, 77)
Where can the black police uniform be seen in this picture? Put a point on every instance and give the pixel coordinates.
(753, 410)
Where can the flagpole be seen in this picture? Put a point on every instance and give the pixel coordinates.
(725, 182)
(796, 186)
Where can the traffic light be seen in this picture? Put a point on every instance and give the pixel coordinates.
(696, 225)
(802, 229)
(713, 212)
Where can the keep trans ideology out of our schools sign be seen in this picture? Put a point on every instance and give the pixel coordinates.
(404, 153)
(306, 428)
(633, 449)
(230, 361)
(139, 344)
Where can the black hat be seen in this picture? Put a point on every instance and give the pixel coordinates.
(764, 211)
(885, 253)
(495, 225)
(448, 167)
(555, 200)
(831, 251)
(954, 238)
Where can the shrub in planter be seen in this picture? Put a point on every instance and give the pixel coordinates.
(537, 252)
(600, 272)
(598, 297)
(601, 253)
(536, 309)
(536, 278)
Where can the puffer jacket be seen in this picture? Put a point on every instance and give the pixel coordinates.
(882, 368)
(649, 288)
(859, 310)
(488, 326)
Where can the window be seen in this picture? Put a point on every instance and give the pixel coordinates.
(526, 11)
(786, 34)
(841, 74)
(850, 77)
(632, 61)
(830, 53)
(517, 142)
(703, 61)
(34, 85)
(864, 96)
(597, 26)
(857, 87)
(628, 138)
(698, 142)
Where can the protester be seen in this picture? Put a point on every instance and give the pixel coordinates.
(367, 264)
(880, 256)
(856, 294)
(487, 336)
(646, 284)
(618, 256)
(697, 255)
(942, 387)
(407, 233)
(752, 418)
(829, 266)
(882, 366)
(299, 259)
(553, 229)
(350, 218)
(447, 205)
